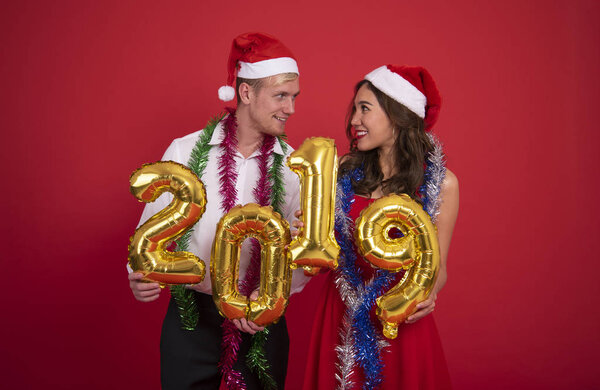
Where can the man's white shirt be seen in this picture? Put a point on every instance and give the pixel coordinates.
(248, 173)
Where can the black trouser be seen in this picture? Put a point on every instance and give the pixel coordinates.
(189, 359)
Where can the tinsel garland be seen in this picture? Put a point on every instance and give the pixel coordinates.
(257, 361)
(185, 298)
(360, 342)
(263, 196)
(363, 343)
(272, 191)
(435, 173)
(232, 338)
(346, 351)
(276, 176)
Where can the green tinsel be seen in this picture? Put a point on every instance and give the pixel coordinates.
(185, 298)
(255, 358)
(277, 190)
(186, 303)
(257, 361)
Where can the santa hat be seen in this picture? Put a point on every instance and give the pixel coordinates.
(255, 56)
(411, 86)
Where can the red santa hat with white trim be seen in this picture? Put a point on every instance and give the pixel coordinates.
(256, 55)
(411, 86)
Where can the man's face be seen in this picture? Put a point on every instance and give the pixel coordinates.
(272, 105)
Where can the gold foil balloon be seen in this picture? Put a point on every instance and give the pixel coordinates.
(315, 162)
(273, 233)
(147, 253)
(417, 252)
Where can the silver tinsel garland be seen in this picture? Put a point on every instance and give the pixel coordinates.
(433, 184)
(346, 352)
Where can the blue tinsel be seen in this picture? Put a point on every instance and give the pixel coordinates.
(364, 331)
(423, 189)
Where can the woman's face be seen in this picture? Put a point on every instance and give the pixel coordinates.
(372, 127)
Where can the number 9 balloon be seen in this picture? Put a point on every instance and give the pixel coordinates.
(147, 253)
(417, 252)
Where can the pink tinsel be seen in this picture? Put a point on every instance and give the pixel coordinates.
(227, 162)
(230, 345)
(262, 194)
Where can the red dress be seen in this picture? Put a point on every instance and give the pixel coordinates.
(413, 360)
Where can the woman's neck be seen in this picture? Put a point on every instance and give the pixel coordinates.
(386, 163)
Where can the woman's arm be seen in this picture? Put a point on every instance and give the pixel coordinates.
(445, 224)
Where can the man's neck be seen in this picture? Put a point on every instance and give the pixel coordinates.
(249, 139)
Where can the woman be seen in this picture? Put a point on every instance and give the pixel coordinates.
(392, 151)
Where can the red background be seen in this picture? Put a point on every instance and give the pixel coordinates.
(91, 90)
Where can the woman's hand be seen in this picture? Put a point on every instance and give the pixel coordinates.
(427, 306)
(143, 291)
(424, 308)
(445, 224)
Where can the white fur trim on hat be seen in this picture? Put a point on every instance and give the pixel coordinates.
(266, 68)
(399, 89)
(226, 93)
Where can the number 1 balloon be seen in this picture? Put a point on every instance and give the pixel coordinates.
(315, 162)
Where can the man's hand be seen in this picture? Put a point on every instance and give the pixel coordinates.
(297, 224)
(248, 326)
(143, 291)
(195, 287)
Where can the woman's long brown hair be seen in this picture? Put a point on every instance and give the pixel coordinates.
(409, 151)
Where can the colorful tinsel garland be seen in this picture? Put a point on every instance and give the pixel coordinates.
(262, 194)
(269, 190)
(361, 343)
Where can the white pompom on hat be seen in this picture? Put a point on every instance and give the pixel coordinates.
(256, 55)
(226, 93)
(411, 86)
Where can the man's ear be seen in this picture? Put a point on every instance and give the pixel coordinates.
(245, 91)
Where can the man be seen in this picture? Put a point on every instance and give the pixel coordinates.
(232, 158)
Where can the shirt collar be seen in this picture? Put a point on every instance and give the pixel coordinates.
(219, 134)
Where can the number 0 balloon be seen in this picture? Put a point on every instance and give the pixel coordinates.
(417, 252)
(273, 233)
(147, 253)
